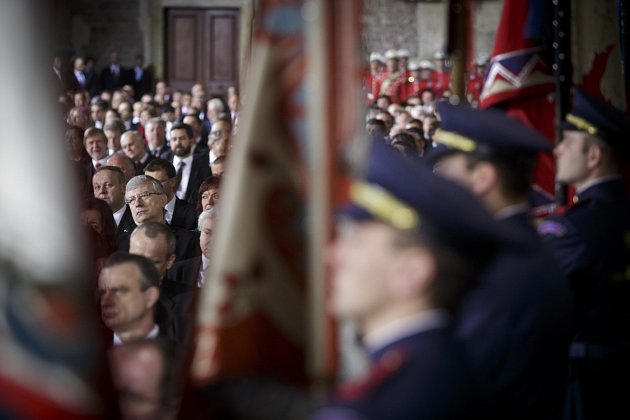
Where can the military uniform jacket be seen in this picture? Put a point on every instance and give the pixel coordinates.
(421, 376)
(515, 327)
(592, 242)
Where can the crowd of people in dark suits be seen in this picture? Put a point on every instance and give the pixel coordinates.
(148, 164)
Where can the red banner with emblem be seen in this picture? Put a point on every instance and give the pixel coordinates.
(519, 80)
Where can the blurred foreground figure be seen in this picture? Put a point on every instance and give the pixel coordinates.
(50, 355)
(592, 243)
(516, 325)
(401, 265)
(142, 373)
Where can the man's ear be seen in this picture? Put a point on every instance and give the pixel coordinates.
(170, 261)
(593, 156)
(413, 272)
(152, 294)
(484, 178)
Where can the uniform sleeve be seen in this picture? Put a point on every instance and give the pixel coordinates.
(565, 242)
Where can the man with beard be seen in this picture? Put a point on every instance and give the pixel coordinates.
(191, 170)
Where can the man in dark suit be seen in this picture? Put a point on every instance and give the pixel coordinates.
(113, 76)
(128, 288)
(146, 375)
(192, 272)
(141, 78)
(191, 170)
(132, 145)
(157, 242)
(200, 142)
(92, 80)
(109, 186)
(402, 262)
(146, 198)
(155, 133)
(57, 77)
(516, 326)
(177, 211)
(125, 164)
(75, 79)
(592, 242)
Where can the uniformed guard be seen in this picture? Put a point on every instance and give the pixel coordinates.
(392, 81)
(516, 325)
(403, 260)
(592, 243)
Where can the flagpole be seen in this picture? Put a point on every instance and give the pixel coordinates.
(457, 49)
(563, 72)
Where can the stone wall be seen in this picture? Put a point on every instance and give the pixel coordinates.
(421, 27)
(95, 27)
(389, 24)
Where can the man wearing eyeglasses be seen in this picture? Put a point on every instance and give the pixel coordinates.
(219, 140)
(146, 198)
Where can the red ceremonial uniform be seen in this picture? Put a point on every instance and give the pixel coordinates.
(441, 81)
(474, 85)
(392, 85)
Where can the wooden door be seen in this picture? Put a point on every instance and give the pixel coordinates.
(202, 46)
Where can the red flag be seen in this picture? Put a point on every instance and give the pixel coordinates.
(596, 52)
(252, 313)
(519, 80)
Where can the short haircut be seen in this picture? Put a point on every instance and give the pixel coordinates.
(210, 214)
(116, 125)
(161, 165)
(457, 270)
(171, 364)
(148, 272)
(217, 103)
(94, 132)
(134, 135)
(119, 174)
(139, 180)
(515, 170)
(156, 121)
(192, 112)
(377, 122)
(180, 126)
(77, 130)
(153, 230)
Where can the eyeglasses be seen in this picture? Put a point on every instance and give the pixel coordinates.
(213, 196)
(217, 133)
(132, 200)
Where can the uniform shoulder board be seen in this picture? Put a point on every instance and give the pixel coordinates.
(550, 227)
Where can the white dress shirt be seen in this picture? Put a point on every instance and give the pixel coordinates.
(170, 209)
(118, 214)
(155, 331)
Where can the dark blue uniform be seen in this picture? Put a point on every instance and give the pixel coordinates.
(515, 325)
(515, 329)
(420, 371)
(420, 376)
(592, 243)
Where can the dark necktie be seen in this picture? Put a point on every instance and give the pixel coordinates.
(180, 171)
